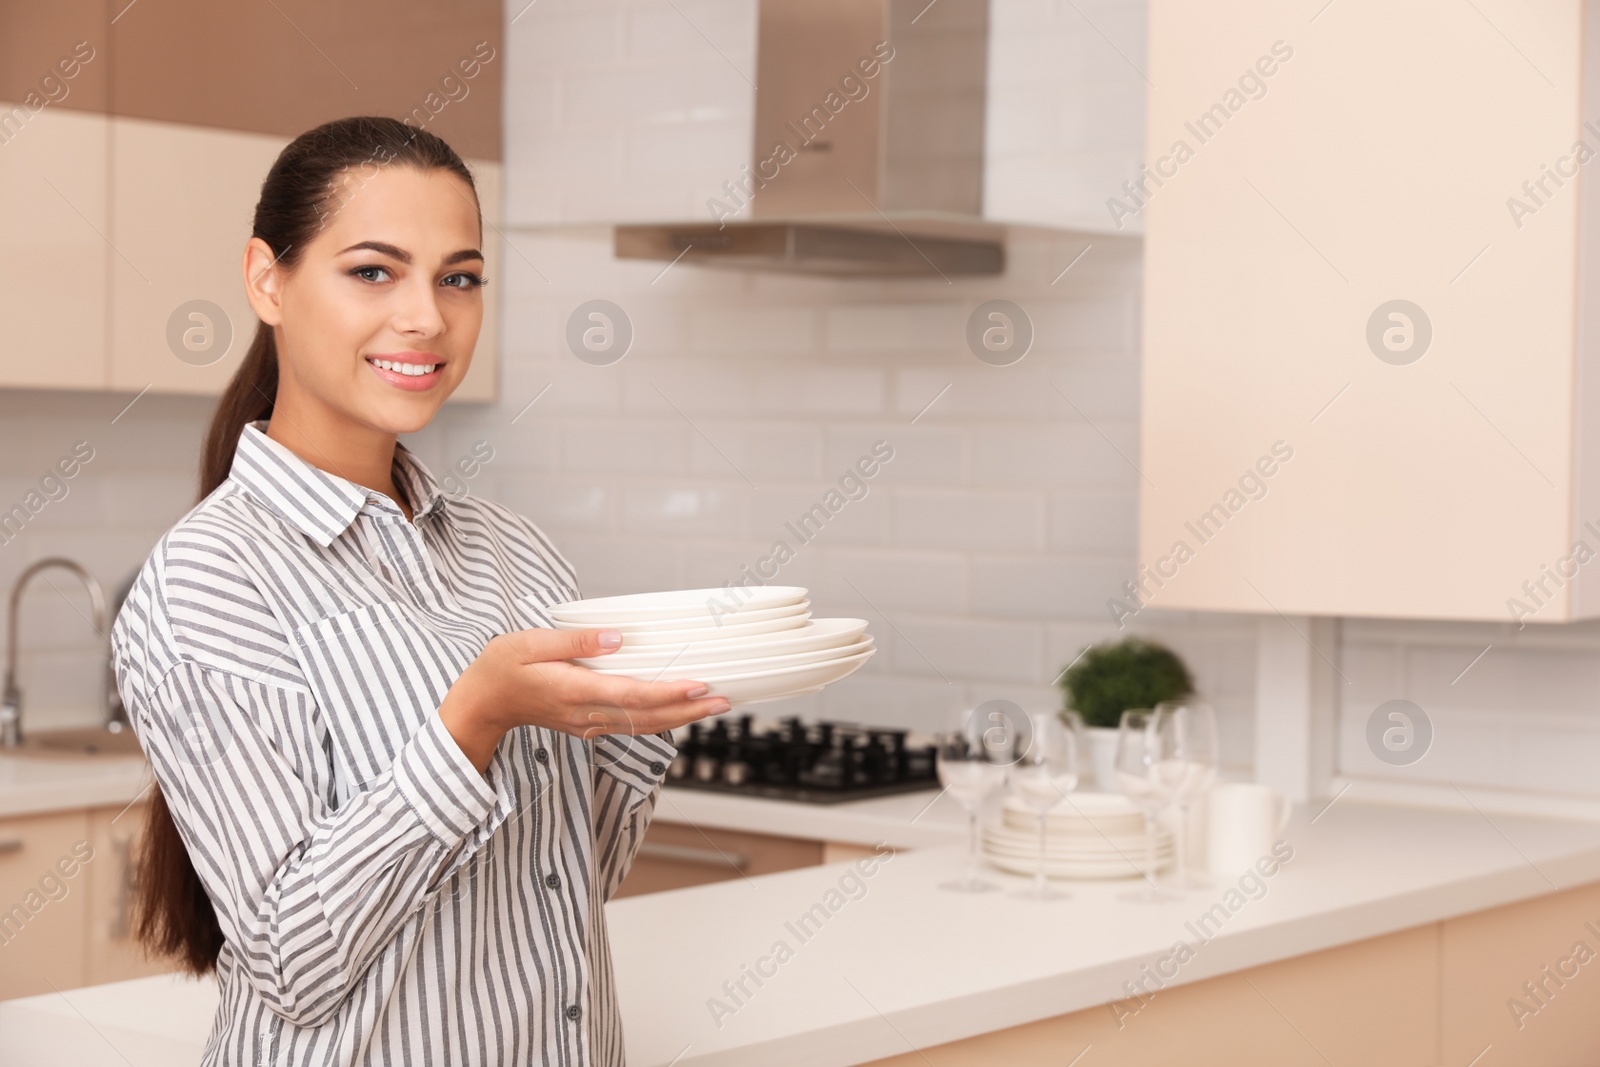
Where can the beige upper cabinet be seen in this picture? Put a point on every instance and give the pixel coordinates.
(183, 198)
(53, 246)
(1371, 302)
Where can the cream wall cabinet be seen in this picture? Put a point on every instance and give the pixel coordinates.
(1304, 450)
(109, 226)
(53, 250)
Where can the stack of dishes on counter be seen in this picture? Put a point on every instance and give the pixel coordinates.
(1087, 835)
(750, 645)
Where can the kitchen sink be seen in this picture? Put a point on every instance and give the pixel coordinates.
(82, 741)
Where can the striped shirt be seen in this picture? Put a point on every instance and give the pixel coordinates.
(283, 656)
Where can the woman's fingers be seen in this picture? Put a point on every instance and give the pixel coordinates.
(541, 645)
(580, 685)
(597, 720)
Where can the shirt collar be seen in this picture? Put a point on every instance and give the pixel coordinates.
(318, 504)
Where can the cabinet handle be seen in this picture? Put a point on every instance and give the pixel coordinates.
(704, 857)
(9, 845)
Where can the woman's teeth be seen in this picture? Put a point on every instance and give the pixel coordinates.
(416, 370)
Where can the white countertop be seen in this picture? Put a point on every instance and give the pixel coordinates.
(33, 784)
(906, 964)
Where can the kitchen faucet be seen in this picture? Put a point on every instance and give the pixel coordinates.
(11, 696)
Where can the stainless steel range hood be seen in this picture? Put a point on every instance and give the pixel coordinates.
(868, 148)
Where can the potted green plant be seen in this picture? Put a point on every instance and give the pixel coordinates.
(1112, 677)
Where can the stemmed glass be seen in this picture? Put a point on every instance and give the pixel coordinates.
(972, 764)
(1042, 778)
(969, 771)
(1138, 752)
(1186, 739)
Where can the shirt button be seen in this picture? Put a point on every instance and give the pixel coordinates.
(656, 767)
(553, 881)
(542, 755)
(573, 1011)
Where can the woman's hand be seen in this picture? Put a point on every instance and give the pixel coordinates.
(521, 679)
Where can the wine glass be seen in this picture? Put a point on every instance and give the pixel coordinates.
(1186, 736)
(972, 763)
(1137, 754)
(1043, 777)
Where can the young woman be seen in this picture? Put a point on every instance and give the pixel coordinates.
(389, 814)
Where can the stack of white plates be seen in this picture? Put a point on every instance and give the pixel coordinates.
(750, 645)
(1087, 835)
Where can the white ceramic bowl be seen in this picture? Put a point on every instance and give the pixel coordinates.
(688, 622)
(641, 607)
(674, 672)
(648, 638)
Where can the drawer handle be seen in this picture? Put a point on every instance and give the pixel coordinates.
(9, 845)
(704, 857)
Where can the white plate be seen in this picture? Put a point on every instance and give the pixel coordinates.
(640, 607)
(679, 671)
(1070, 868)
(1112, 844)
(816, 634)
(710, 633)
(687, 622)
(757, 686)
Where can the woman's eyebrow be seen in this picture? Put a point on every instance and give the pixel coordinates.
(405, 257)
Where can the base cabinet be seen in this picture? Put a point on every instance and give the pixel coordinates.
(1432, 995)
(66, 884)
(676, 855)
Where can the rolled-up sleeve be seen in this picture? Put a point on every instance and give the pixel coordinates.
(310, 895)
(628, 771)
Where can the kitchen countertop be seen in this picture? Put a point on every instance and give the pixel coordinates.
(899, 963)
(34, 784)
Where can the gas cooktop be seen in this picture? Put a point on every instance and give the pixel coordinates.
(818, 763)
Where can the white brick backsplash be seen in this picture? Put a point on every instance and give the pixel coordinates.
(923, 328)
(1074, 453)
(712, 565)
(924, 455)
(610, 566)
(528, 445)
(752, 331)
(819, 391)
(857, 522)
(1087, 521)
(618, 448)
(764, 454)
(560, 508)
(1045, 587)
(678, 510)
(968, 521)
(683, 388)
(860, 581)
(970, 649)
(606, 97)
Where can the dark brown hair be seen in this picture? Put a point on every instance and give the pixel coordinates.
(308, 183)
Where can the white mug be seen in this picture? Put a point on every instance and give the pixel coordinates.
(1243, 822)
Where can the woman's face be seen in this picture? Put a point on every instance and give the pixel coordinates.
(377, 321)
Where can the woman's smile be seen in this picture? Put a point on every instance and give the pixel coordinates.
(414, 371)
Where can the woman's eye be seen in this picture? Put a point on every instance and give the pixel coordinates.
(465, 280)
(362, 273)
